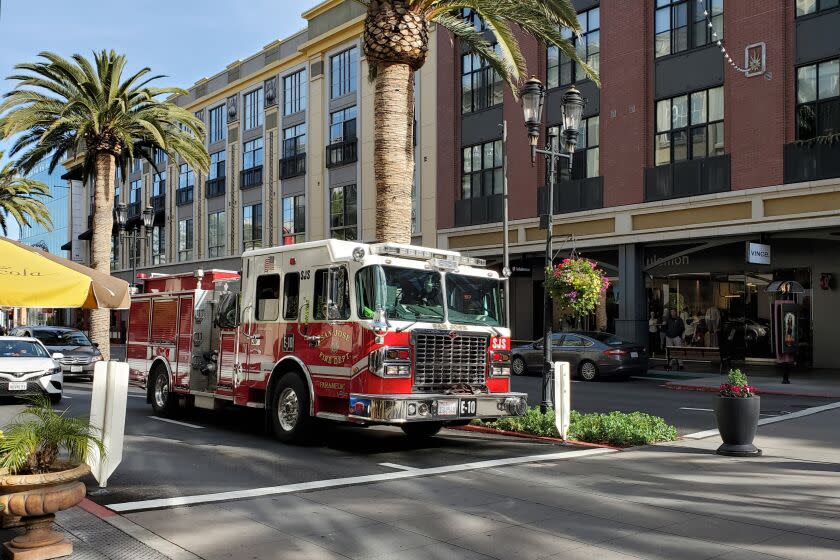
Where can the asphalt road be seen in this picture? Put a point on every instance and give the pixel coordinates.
(208, 452)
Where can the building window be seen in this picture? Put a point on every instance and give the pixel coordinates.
(294, 140)
(805, 7)
(343, 212)
(253, 102)
(562, 71)
(160, 156)
(216, 234)
(217, 165)
(185, 239)
(136, 165)
(681, 24)
(252, 154)
(159, 184)
(482, 170)
(218, 124)
(342, 148)
(587, 156)
(135, 195)
(689, 126)
(331, 310)
(291, 295)
(158, 245)
(343, 72)
(481, 86)
(818, 100)
(267, 297)
(294, 219)
(186, 182)
(252, 226)
(294, 92)
(469, 16)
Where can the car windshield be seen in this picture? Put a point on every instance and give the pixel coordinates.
(474, 301)
(608, 339)
(22, 349)
(61, 338)
(404, 293)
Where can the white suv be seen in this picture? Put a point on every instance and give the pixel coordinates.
(26, 368)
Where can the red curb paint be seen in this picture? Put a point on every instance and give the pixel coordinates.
(494, 431)
(99, 511)
(679, 387)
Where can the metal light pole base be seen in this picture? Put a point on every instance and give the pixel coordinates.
(732, 450)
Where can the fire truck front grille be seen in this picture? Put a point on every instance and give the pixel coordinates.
(444, 359)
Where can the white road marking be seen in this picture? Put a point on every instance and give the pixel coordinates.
(348, 481)
(698, 409)
(773, 419)
(396, 466)
(176, 422)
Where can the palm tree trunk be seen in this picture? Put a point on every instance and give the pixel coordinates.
(393, 159)
(100, 254)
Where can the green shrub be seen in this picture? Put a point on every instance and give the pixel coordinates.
(615, 428)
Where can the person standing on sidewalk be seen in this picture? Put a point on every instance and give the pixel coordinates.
(674, 330)
(653, 334)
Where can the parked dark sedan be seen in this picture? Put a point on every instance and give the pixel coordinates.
(591, 355)
(79, 353)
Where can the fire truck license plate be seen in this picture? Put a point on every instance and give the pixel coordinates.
(447, 408)
(17, 385)
(468, 407)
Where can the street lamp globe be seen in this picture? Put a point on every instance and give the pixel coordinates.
(121, 215)
(573, 103)
(148, 218)
(533, 94)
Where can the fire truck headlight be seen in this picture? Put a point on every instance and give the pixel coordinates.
(423, 409)
(397, 370)
(500, 371)
(412, 409)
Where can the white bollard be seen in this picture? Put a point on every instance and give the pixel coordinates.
(562, 398)
(107, 415)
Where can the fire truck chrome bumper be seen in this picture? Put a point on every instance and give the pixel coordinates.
(399, 409)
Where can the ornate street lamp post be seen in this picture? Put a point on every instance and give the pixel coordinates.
(533, 96)
(134, 236)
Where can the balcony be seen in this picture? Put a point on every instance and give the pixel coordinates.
(342, 153)
(573, 196)
(687, 178)
(811, 161)
(479, 210)
(293, 166)
(251, 178)
(184, 196)
(158, 203)
(215, 187)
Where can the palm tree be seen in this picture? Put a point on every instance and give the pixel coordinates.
(22, 199)
(61, 108)
(396, 41)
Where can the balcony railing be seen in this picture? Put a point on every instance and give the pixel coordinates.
(133, 210)
(215, 187)
(811, 161)
(342, 153)
(158, 203)
(251, 178)
(479, 210)
(184, 195)
(687, 178)
(573, 196)
(293, 166)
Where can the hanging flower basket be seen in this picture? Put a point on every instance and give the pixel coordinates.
(576, 284)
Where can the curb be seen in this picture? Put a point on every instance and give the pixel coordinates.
(703, 388)
(558, 441)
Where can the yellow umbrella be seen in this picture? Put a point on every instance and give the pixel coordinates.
(30, 277)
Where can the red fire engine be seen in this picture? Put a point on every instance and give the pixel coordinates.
(338, 330)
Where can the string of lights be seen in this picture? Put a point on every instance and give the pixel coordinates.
(718, 40)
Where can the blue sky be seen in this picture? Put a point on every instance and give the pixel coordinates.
(183, 39)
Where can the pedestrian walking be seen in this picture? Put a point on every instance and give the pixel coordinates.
(674, 330)
(653, 333)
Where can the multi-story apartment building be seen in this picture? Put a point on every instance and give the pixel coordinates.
(683, 160)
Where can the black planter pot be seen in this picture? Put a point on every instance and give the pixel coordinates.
(737, 420)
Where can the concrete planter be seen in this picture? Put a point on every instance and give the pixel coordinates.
(35, 498)
(737, 421)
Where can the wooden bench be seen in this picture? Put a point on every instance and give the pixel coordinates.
(674, 354)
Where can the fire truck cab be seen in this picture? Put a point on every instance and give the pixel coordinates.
(336, 330)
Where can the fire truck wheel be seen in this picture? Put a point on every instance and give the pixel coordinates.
(164, 403)
(290, 409)
(422, 430)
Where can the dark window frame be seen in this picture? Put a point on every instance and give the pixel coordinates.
(820, 6)
(185, 252)
(479, 176)
(584, 149)
(294, 92)
(581, 42)
(486, 87)
(217, 124)
(344, 212)
(255, 228)
(293, 218)
(344, 74)
(318, 282)
(820, 107)
(254, 153)
(253, 107)
(694, 21)
(217, 249)
(690, 128)
(259, 288)
(291, 293)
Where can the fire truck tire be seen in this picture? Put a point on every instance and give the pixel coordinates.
(164, 402)
(422, 430)
(290, 409)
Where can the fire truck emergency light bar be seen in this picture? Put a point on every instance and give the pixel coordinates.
(412, 253)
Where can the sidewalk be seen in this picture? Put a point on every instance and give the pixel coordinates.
(676, 501)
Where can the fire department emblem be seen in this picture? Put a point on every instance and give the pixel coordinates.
(453, 335)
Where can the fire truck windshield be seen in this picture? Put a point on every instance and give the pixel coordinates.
(408, 294)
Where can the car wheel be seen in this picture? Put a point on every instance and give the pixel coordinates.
(588, 371)
(518, 366)
(290, 409)
(55, 398)
(422, 430)
(164, 402)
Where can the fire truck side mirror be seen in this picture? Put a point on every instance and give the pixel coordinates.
(227, 312)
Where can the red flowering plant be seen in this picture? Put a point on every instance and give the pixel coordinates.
(738, 386)
(577, 284)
